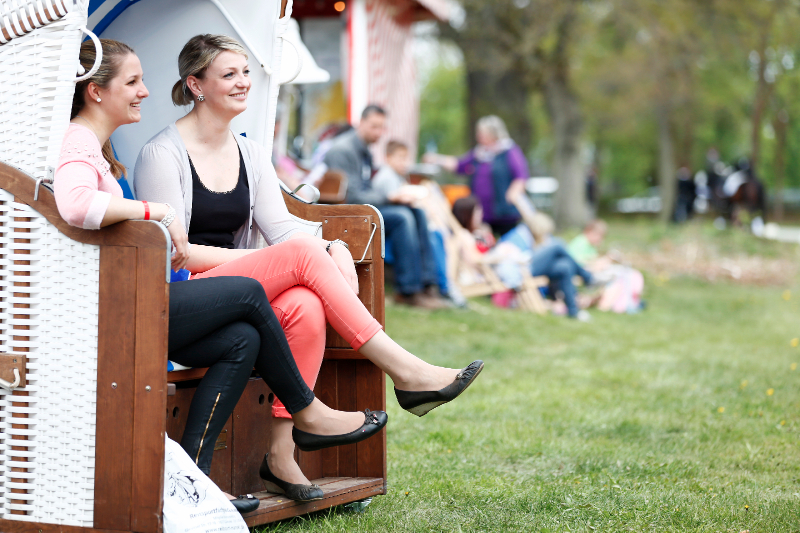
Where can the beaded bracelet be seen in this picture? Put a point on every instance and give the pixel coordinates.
(336, 241)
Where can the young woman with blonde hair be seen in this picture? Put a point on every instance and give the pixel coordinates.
(225, 191)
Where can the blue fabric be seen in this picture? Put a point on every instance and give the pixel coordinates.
(389, 259)
(119, 7)
(502, 176)
(414, 264)
(553, 260)
(126, 188)
(179, 275)
(501, 180)
(521, 237)
(440, 258)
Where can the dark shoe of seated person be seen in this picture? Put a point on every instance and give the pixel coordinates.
(432, 292)
(309, 442)
(421, 402)
(293, 491)
(420, 300)
(246, 503)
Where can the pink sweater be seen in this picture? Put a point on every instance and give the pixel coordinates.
(83, 184)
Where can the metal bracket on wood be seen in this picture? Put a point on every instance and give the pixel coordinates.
(369, 242)
(49, 179)
(12, 365)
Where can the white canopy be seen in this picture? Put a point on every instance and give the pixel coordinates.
(297, 52)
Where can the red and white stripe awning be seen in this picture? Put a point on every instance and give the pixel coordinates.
(437, 8)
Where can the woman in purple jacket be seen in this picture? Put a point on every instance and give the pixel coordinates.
(497, 170)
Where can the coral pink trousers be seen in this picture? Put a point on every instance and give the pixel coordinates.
(306, 290)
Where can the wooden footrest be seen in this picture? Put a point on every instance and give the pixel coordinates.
(338, 490)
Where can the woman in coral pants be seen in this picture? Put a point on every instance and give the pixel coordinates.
(225, 191)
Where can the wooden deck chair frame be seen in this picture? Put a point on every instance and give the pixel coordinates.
(528, 296)
(133, 409)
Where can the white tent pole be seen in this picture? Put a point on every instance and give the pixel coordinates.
(359, 60)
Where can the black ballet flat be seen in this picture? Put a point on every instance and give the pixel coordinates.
(296, 492)
(419, 403)
(309, 442)
(246, 503)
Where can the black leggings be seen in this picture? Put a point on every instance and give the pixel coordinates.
(227, 325)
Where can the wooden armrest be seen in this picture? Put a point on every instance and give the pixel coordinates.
(352, 223)
(137, 233)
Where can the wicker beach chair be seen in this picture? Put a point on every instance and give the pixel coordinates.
(85, 399)
(39, 43)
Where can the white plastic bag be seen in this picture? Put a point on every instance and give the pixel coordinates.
(192, 502)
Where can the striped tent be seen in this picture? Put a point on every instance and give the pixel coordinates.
(381, 68)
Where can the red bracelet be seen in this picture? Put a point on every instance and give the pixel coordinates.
(146, 210)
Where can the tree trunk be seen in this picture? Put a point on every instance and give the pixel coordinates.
(780, 125)
(763, 92)
(667, 178)
(687, 140)
(567, 123)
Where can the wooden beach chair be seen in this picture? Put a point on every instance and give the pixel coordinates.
(85, 399)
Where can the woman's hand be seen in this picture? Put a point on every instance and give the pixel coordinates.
(516, 188)
(447, 162)
(181, 242)
(344, 262)
(176, 232)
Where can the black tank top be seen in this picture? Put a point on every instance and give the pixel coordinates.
(217, 216)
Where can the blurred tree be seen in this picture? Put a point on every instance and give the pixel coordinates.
(650, 72)
(649, 84)
(443, 117)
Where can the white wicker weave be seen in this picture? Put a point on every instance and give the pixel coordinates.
(57, 326)
(37, 73)
(23, 16)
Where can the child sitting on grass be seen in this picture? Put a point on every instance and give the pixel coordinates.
(623, 287)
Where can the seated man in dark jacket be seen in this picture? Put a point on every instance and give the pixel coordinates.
(406, 227)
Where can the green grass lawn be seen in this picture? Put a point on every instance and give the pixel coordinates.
(682, 418)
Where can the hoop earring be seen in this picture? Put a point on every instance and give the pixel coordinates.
(99, 100)
(201, 98)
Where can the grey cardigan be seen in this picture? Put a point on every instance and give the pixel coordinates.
(162, 174)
